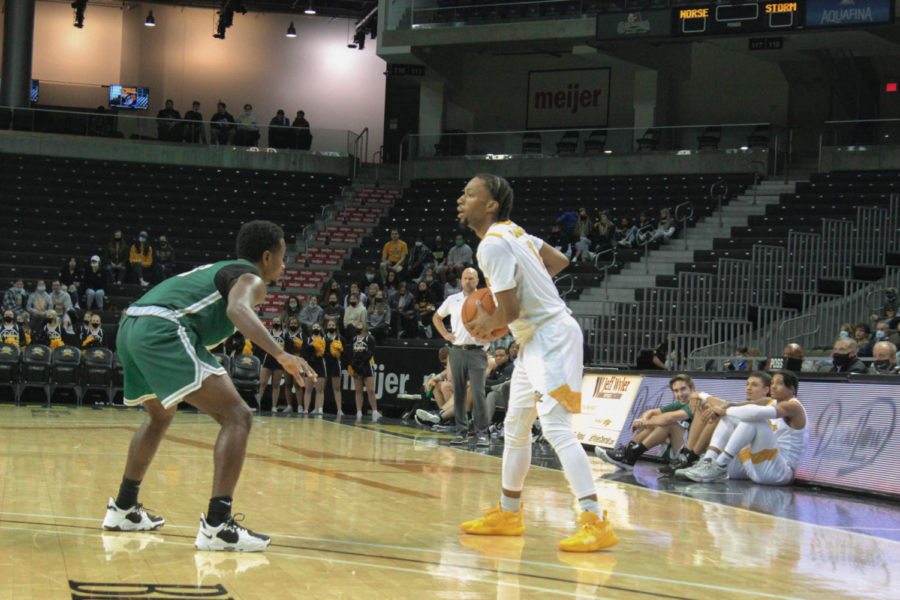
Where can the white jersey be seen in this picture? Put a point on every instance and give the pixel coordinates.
(509, 258)
(792, 443)
(452, 306)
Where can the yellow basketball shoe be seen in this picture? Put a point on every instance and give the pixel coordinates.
(496, 521)
(593, 534)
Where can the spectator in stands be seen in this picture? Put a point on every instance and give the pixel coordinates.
(65, 321)
(290, 309)
(882, 332)
(625, 233)
(453, 285)
(59, 295)
(419, 256)
(354, 313)
(361, 297)
(333, 311)
(438, 255)
(426, 304)
(222, 127)
(391, 283)
(459, 257)
(39, 301)
(435, 286)
(665, 228)
(141, 258)
(791, 359)
(362, 363)
(193, 126)
(404, 315)
(604, 233)
(91, 335)
(559, 240)
(884, 358)
(93, 285)
(393, 255)
(279, 134)
(513, 350)
(23, 322)
(86, 322)
(740, 363)
(845, 330)
(163, 260)
(15, 297)
(669, 423)
(889, 309)
(371, 290)
(844, 359)
(331, 286)
(248, 128)
(863, 336)
(303, 134)
(271, 369)
(568, 220)
(70, 276)
(168, 123)
(116, 258)
(378, 319)
(641, 227)
(370, 277)
(581, 233)
(51, 333)
(311, 313)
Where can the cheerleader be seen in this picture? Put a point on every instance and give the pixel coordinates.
(272, 369)
(361, 368)
(334, 350)
(315, 356)
(293, 343)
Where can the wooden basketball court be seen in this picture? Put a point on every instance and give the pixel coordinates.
(372, 511)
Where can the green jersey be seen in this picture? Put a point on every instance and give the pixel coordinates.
(197, 300)
(678, 406)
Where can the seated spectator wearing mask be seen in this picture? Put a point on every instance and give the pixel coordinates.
(312, 313)
(844, 357)
(15, 297)
(419, 258)
(141, 258)
(93, 285)
(885, 359)
(91, 335)
(60, 295)
(864, 340)
(164, 261)
(354, 313)
(889, 311)
(39, 301)
(791, 359)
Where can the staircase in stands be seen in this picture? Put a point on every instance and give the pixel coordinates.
(312, 262)
(642, 274)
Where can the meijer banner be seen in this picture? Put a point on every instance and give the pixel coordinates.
(568, 99)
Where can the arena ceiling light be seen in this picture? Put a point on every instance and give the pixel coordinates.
(310, 10)
(291, 32)
(150, 21)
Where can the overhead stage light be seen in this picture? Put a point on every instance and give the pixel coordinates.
(291, 32)
(150, 21)
(310, 10)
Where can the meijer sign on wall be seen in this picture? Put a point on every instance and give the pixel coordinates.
(568, 99)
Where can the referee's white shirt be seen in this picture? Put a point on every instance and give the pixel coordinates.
(452, 306)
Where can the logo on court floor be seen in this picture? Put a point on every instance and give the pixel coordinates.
(85, 590)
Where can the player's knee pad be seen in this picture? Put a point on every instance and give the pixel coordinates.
(557, 428)
(516, 432)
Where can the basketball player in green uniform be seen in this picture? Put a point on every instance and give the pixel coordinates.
(162, 343)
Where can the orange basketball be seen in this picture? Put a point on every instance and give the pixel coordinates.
(470, 310)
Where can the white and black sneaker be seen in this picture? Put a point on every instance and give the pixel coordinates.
(229, 536)
(130, 519)
(424, 416)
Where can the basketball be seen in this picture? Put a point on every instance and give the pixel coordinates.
(470, 311)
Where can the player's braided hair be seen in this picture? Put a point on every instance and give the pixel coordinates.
(255, 237)
(500, 191)
(789, 378)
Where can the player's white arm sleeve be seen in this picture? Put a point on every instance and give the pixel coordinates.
(752, 412)
(497, 264)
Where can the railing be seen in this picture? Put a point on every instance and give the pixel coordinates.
(858, 135)
(542, 143)
(122, 125)
(359, 148)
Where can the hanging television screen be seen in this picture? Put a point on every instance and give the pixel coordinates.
(125, 96)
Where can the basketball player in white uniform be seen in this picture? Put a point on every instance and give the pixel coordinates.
(768, 436)
(546, 382)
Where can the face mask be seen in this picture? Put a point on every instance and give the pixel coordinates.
(293, 305)
(459, 242)
(276, 325)
(142, 239)
(879, 335)
(331, 330)
(41, 288)
(118, 238)
(429, 279)
(317, 332)
(293, 328)
(882, 365)
(87, 323)
(844, 334)
(841, 360)
(95, 325)
(370, 276)
(333, 303)
(8, 319)
(792, 363)
(353, 303)
(418, 244)
(379, 300)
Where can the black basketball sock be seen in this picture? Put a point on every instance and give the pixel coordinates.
(692, 456)
(128, 493)
(634, 451)
(219, 510)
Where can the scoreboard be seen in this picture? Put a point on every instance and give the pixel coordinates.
(743, 17)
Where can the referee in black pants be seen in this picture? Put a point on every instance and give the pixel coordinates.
(468, 363)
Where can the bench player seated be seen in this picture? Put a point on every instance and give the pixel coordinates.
(655, 426)
(768, 434)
